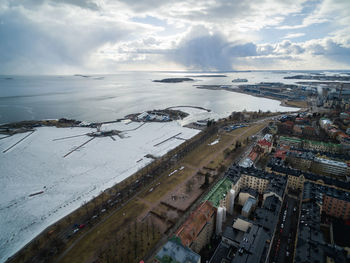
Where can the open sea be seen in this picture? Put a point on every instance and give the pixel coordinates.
(98, 98)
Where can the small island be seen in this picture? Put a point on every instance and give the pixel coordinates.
(173, 80)
(80, 75)
(208, 76)
(240, 80)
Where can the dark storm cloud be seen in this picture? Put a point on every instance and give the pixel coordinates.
(331, 50)
(211, 51)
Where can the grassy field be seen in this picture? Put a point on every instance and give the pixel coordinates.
(299, 104)
(167, 183)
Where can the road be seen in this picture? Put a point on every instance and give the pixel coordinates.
(283, 243)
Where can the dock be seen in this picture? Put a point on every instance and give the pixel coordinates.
(25, 137)
(69, 137)
(79, 147)
(172, 137)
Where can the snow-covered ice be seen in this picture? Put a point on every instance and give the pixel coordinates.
(37, 164)
(196, 114)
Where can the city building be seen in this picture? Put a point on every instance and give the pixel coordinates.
(173, 251)
(265, 145)
(311, 243)
(238, 246)
(308, 161)
(196, 232)
(219, 194)
(290, 141)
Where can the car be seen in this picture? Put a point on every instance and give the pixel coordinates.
(75, 230)
(81, 226)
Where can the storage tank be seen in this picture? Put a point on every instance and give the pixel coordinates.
(219, 217)
(231, 201)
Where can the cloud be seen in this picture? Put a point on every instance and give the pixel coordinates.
(330, 49)
(48, 36)
(85, 4)
(209, 51)
(33, 43)
(294, 35)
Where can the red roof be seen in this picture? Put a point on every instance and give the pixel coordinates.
(342, 134)
(189, 231)
(264, 142)
(253, 155)
(281, 154)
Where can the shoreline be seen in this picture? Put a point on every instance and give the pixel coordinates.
(283, 103)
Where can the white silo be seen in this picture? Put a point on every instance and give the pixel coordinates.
(224, 214)
(231, 201)
(219, 216)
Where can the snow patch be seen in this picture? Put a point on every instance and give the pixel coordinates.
(214, 142)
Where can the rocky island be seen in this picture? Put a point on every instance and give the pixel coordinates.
(173, 80)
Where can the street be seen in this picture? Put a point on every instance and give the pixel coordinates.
(283, 243)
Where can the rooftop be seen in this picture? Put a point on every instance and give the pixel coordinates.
(189, 231)
(311, 245)
(218, 192)
(267, 216)
(251, 201)
(316, 192)
(331, 162)
(253, 247)
(173, 251)
(277, 165)
(291, 139)
(265, 142)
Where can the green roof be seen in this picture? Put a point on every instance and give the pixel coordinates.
(285, 138)
(218, 192)
(328, 144)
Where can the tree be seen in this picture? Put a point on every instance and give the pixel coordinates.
(206, 179)
(222, 168)
(238, 144)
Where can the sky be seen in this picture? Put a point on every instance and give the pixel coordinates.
(107, 36)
